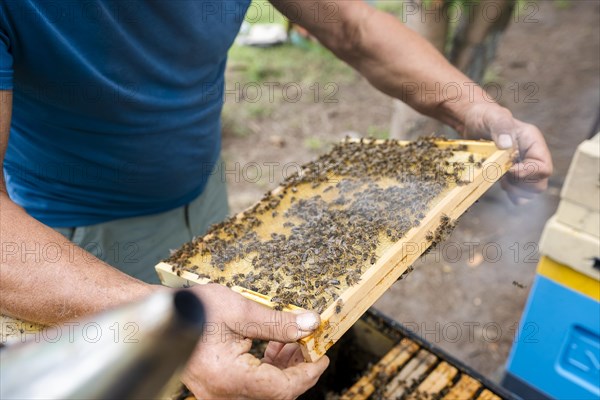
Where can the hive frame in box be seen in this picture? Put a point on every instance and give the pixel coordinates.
(396, 260)
(374, 319)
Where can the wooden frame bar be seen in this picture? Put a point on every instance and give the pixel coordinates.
(392, 264)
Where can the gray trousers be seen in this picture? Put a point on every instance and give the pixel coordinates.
(136, 245)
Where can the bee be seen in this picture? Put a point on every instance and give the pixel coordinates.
(338, 306)
(519, 285)
(276, 299)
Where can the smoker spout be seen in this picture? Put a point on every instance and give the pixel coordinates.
(134, 351)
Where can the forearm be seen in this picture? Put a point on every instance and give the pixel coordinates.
(402, 64)
(44, 277)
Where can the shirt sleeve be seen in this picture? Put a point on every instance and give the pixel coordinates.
(6, 62)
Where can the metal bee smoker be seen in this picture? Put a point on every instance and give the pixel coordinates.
(89, 358)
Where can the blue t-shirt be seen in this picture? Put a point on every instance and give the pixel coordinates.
(116, 109)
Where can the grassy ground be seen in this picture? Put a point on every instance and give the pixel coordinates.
(260, 79)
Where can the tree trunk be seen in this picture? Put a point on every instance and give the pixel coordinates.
(477, 35)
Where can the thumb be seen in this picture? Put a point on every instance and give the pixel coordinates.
(502, 127)
(260, 322)
(253, 320)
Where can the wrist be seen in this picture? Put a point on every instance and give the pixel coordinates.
(461, 111)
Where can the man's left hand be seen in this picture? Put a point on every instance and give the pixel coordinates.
(529, 176)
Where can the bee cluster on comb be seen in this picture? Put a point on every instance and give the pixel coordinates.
(307, 241)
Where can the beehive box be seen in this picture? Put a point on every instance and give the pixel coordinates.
(571, 236)
(337, 234)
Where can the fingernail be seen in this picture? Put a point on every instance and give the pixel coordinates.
(505, 141)
(307, 321)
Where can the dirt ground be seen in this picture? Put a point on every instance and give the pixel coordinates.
(468, 295)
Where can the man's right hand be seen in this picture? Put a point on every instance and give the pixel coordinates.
(221, 366)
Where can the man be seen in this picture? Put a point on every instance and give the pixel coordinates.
(114, 122)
